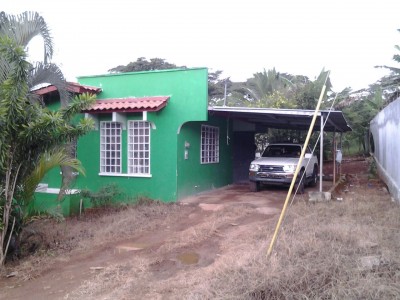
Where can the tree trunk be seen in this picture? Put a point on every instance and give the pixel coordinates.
(66, 171)
(9, 189)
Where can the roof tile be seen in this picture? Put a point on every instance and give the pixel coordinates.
(129, 104)
(71, 87)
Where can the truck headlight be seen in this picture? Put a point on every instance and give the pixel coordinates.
(254, 167)
(289, 168)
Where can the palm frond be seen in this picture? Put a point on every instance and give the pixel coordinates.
(49, 160)
(78, 103)
(24, 27)
(42, 73)
(13, 87)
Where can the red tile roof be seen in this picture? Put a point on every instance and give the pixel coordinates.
(79, 88)
(129, 104)
(71, 87)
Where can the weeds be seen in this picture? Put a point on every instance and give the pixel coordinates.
(146, 201)
(372, 169)
(104, 197)
(320, 252)
(318, 256)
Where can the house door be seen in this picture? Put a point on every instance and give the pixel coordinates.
(243, 154)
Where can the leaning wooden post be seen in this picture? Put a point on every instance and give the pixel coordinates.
(303, 151)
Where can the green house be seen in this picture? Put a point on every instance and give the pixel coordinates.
(156, 137)
(153, 137)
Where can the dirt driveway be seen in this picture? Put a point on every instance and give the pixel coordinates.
(149, 252)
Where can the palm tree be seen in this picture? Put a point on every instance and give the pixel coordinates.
(391, 82)
(273, 89)
(308, 91)
(22, 29)
(28, 128)
(48, 160)
(266, 83)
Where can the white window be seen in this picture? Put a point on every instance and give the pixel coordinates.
(138, 147)
(209, 144)
(110, 147)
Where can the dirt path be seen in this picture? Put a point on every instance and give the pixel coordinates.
(171, 253)
(200, 233)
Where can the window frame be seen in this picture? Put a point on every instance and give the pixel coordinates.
(103, 166)
(209, 144)
(146, 150)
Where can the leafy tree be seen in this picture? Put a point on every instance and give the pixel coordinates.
(237, 95)
(224, 91)
(271, 89)
(28, 129)
(265, 83)
(308, 92)
(360, 113)
(142, 64)
(281, 90)
(274, 100)
(216, 85)
(361, 106)
(391, 83)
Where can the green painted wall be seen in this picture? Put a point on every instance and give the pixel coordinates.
(187, 87)
(70, 205)
(172, 176)
(188, 102)
(194, 177)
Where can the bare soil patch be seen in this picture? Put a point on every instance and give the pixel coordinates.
(213, 246)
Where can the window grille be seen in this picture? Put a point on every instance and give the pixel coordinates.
(110, 147)
(209, 144)
(138, 147)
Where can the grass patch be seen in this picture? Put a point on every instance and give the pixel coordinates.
(319, 256)
(104, 197)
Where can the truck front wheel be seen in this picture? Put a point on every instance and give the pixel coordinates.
(254, 186)
(301, 182)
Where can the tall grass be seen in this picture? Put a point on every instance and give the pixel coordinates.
(319, 256)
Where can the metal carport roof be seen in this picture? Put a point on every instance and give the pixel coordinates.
(263, 118)
(284, 118)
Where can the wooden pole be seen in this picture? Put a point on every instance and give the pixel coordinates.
(296, 172)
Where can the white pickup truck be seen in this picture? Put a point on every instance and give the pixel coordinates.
(277, 165)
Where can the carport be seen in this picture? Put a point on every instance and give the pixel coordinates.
(246, 122)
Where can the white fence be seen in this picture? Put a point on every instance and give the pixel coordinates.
(385, 130)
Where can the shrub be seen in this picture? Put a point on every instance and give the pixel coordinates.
(103, 197)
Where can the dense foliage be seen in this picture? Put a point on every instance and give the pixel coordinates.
(361, 106)
(29, 131)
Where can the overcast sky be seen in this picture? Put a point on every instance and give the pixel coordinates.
(347, 37)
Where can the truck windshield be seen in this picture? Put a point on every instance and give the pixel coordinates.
(282, 151)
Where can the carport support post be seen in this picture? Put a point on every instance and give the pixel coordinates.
(340, 164)
(334, 158)
(321, 152)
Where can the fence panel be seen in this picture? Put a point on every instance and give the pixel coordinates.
(385, 130)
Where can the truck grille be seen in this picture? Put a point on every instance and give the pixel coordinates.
(272, 169)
